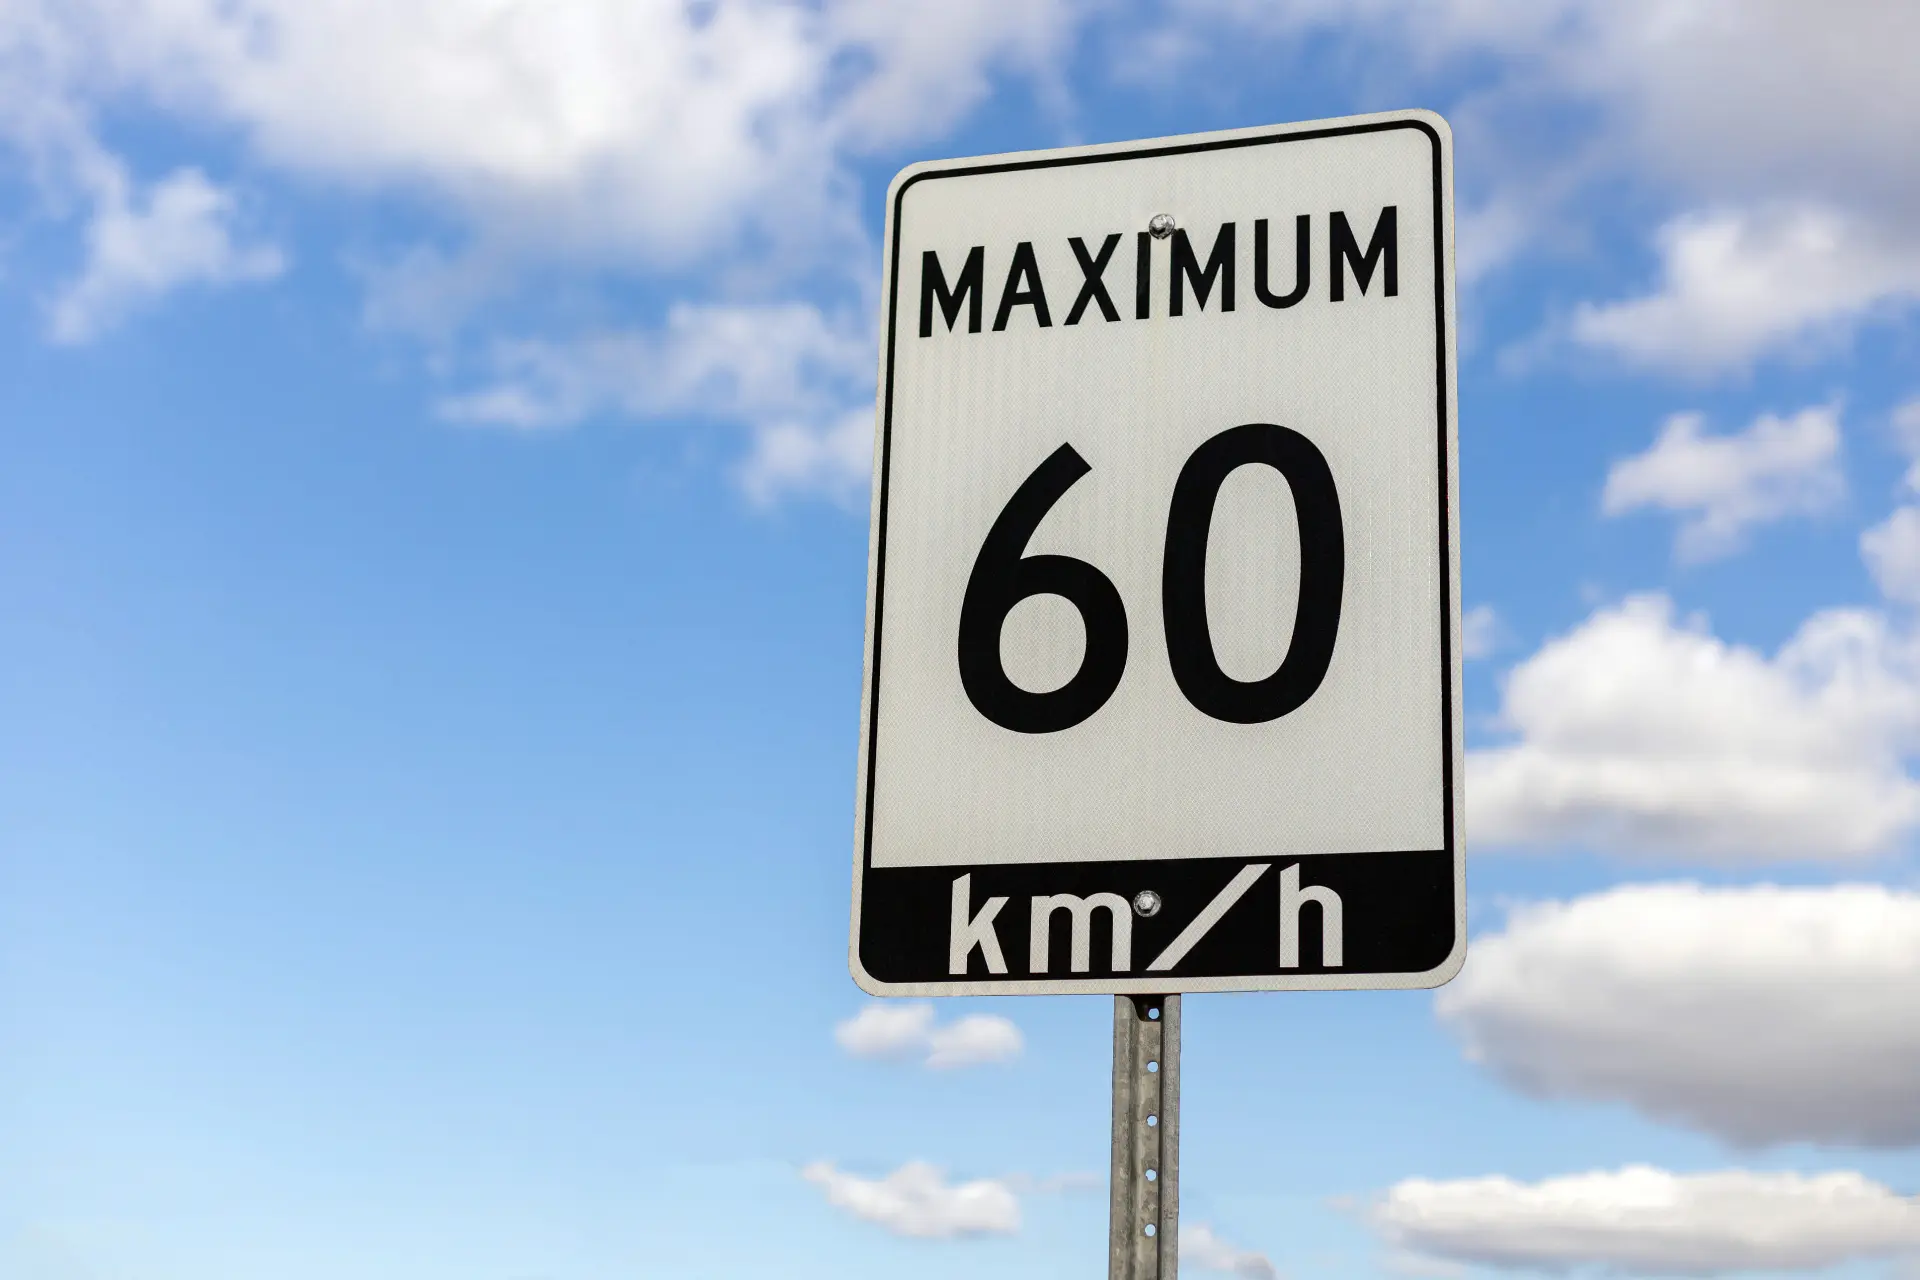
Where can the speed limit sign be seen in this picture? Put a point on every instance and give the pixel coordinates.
(1163, 628)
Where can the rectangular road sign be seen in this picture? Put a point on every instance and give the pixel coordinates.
(1163, 622)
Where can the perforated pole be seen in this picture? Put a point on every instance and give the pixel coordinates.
(1143, 1234)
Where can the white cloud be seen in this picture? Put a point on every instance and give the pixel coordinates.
(646, 131)
(801, 382)
(745, 362)
(641, 137)
(1202, 1250)
(1892, 547)
(651, 128)
(1769, 120)
(141, 246)
(976, 1038)
(930, 62)
(1645, 1221)
(892, 1029)
(1892, 551)
(1725, 485)
(1717, 98)
(834, 461)
(1759, 1014)
(917, 1200)
(886, 1029)
(1742, 98)
(1638, 734)
(1479, 632)
(1771, 117)
(656, 132)
(1766, 123)
(1740, 283)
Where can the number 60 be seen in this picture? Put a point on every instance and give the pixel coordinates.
(1002, 577)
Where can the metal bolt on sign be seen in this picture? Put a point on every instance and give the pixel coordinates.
(1143, 1233)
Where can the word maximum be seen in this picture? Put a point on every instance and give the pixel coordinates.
(1216, 277)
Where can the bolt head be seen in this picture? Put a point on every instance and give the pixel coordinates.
(1160, 226)
(1146, 903)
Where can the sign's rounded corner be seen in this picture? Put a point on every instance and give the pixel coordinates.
(1433, 122)
(907, 176)
(867, 982)
(1447, 970)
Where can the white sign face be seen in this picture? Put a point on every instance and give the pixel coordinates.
(1163, 637)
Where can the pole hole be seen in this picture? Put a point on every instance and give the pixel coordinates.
(1153, 1066)
(1152, 1230)
(1153, 1014)
(1152, 1121)
(1153, 1175)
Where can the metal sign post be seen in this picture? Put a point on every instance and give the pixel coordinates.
(1163, 643)
(1143, 1231)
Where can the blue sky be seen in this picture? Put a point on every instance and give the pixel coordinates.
(433, 453)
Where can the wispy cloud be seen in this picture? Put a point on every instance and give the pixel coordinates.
(142, 245)
(1892, 552)
(651, 135)
(888, 1029)
(1765, 127)
(918, 1200)
(798, 380)
(1723, 486)
(1480, 632)
(1737, 284)
(1203, 1250)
